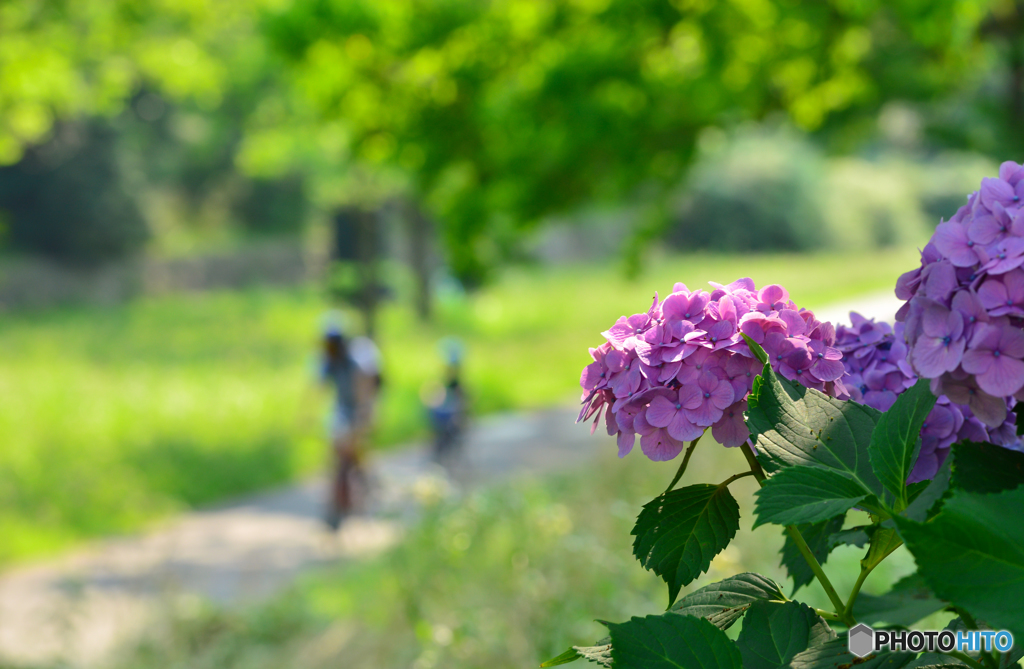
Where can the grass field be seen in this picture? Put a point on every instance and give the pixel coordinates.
(111, 417)
(504, 578)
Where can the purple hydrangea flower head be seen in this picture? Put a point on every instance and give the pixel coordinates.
(875, 358)
(964, 310)
(682, 367)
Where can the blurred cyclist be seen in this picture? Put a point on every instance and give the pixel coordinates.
(448, 410)
(351, 368)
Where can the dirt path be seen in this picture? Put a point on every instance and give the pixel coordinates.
(78, 608)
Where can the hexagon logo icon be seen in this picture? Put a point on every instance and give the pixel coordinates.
(861, 640)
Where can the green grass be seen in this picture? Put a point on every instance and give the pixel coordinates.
(505, 577)
(112, 417)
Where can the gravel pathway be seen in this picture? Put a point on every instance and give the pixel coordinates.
(74, 610)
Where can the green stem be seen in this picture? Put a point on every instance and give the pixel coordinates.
(973, 624)
(966, 659)
(827, 615)
(864, 571)
(755, 466)
(805, 550)
(682, 466)
(815, 566)
(733, 478)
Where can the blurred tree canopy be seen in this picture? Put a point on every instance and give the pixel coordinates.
(494, 114)
(503, 112)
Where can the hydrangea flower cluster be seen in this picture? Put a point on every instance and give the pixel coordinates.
(875, 357)
(670, 373)
(965, 304)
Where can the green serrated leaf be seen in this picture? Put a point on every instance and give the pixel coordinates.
(672, 641)
(986, 467)
(679, 532)
(972, 554)
(795, 426)
(896, 440)
(806, 495)
(834, 654)
(565, 658)
(819, 539)
(907, 602)
(774, 633)
(756, 349)
(926, 503)
(884, 541)
(599, 653)
(723, 603)
(855, 536)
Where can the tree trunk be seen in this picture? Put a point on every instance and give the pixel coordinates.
(418, 230)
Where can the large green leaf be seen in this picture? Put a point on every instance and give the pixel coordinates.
(821, 538)
(775, 632)
(972, 554)
(834, 654)
(806, 495)
(672, 641)
(986, 467)
(679, 532)
(723, 603)
(794, 426)
(907, 602)
(925, 504)
(896, 439)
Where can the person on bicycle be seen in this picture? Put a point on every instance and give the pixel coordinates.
(351, 369)
(448, 416)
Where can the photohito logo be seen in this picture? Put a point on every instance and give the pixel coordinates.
(863, 640)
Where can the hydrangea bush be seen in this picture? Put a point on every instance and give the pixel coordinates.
(912, 423)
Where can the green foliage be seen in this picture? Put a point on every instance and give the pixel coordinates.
(679, 532)
(908, 601)
(896, 440)
(601, 654)
(986, 467)
(820, 538)
(809, 495)
(68, 199)
(925, 504)
(793, 425)
(972, 554)
(796, 426)
(774, 633)
(672, 641)
(761, 192)
(724, 602)
(834, 655)
(498, 114)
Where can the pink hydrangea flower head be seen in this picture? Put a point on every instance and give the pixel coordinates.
(681, 367)
(964, 310)
(875, 358)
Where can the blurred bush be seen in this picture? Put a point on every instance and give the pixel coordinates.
(758, 192)
(764, 189)
(67, 199)
(273, 206)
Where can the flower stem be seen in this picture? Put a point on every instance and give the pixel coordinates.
(973, 624)
(682, 466)
(864, 571)
(841, 613)
(827, 615)
(966, 659)
(755, 466)
(733, 478)
(815, 566)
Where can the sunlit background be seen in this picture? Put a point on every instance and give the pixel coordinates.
(188, 186)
